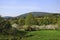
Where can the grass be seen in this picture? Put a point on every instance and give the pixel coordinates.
(40, 35)
(44, 35)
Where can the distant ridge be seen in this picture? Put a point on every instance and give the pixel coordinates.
(33, 13)
(37, 14)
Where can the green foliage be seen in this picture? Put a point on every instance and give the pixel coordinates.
(34, 20)
(5, 26)
(46, 20)
(30, 20)
(40, 21)
(21, 21)
(58, 22)
(1, 19)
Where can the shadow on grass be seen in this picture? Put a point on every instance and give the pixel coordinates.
(29, 35)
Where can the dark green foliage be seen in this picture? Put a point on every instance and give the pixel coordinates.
(5, 26)
(1, 19)
(1, 23)
(19, 33)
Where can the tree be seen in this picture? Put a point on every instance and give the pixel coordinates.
(41, 21)
(22, 34)
(5, 26)
(21, 21)
(1, 19)
(1, 23)
(30, 20)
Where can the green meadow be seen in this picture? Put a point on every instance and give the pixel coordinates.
(36, 35)
(44, 35)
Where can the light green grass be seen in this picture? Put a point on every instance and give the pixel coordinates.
(44, 35)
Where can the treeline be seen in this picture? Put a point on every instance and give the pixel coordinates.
(40, 20)
(30, 20)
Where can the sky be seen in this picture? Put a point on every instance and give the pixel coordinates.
(18, 7)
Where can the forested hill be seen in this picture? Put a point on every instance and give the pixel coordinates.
(38, 14)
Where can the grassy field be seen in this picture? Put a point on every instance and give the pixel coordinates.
(44, 35)
(40, 35)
